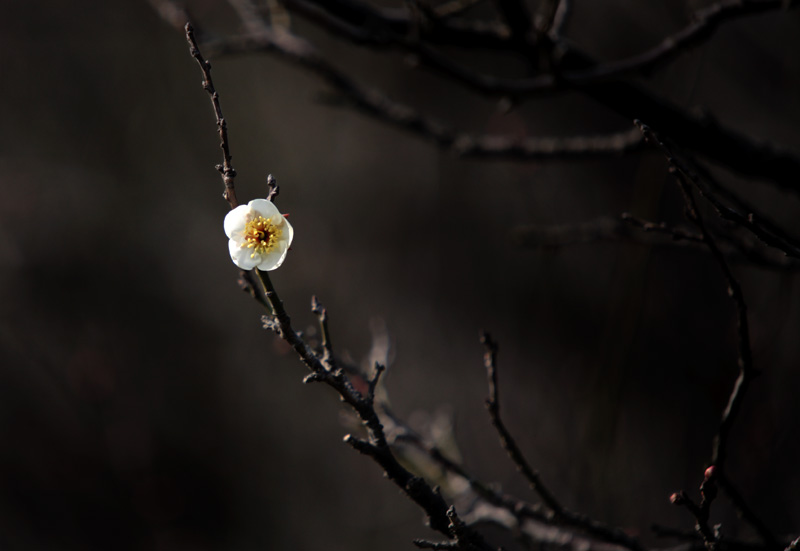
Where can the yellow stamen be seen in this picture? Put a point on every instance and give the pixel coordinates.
(261, 235)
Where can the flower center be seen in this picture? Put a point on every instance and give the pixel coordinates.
(261, 235)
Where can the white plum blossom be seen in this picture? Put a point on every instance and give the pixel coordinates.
(259, 235)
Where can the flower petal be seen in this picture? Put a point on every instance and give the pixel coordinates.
(288, 232)
(265, 208)
(274, 259)
(235, 220)
(241, 255)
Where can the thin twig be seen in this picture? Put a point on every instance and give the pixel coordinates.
(373, 381)
(747, 371)
(700, 513)
(508, 442)
(561, 515)
(225, 169)
(322, 314)
(712, 186)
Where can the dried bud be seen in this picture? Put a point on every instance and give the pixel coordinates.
(676, 498)
(711, 473)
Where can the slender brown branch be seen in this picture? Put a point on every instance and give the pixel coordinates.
(747, 371)
(226, 168)
(561, 515)
(508, 442)
(322, 314)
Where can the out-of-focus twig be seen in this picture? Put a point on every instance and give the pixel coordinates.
(660, 234)
(454, 7)
(374, 103)
(375, 27)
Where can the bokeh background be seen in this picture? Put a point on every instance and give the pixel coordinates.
(143, 407)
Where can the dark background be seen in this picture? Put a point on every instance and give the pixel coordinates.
(143, 407)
